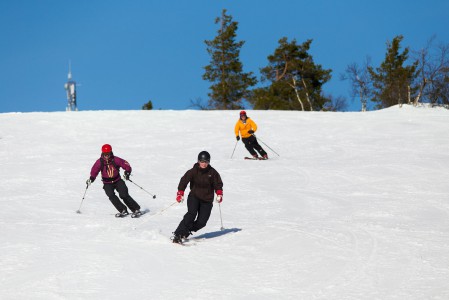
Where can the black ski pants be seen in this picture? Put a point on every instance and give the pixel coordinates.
(122, 190)
(195, 209)
(252, 145)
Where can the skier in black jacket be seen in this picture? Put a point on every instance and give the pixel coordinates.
(204, 180)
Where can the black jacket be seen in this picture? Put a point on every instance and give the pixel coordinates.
(203, 182)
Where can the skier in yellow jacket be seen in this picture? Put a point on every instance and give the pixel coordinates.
(246, 127)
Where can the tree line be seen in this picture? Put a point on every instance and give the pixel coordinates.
(425, 79)
(292, 80)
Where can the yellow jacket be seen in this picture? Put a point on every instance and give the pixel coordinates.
(245, 127)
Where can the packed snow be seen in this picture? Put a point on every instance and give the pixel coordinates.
(352, 206)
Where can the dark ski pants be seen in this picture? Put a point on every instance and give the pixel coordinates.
(195, 209)
(251, 145)
(122, 190)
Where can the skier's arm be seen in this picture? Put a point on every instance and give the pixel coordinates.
(218, 183)
(95, 170)
(185, 180)
(218, 187)
(123, 164)
(183, 185)
(237, 129)
(253, 125)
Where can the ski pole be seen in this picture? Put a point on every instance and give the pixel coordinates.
(267, 145)
(154, 196)
(162, 210)
(79, 209)
(157, 213)
(221, 219)
(234, 149)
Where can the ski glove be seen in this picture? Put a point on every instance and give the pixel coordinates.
(180, 196)
(237, 138)
(126, 175)
(90, 180)
(219, 198)
(250, 131)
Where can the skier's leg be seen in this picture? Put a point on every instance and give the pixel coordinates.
(259, 148)
(109, 190)
(122, 190)
(203, 215)
(186, 224)
(249, 146)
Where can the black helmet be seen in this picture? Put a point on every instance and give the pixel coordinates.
(204, 155)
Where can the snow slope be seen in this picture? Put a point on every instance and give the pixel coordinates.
(355, 207)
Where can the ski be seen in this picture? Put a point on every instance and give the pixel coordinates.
(132, 215)
(255, 158)
(185, 243)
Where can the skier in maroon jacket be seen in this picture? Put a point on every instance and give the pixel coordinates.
(109, 166)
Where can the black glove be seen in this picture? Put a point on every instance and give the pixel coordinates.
(90, 180)
(238, 138)
(127, 175)
(250, 131)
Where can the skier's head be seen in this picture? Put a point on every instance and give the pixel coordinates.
(204, 156)
(106, 150)
(243, 114)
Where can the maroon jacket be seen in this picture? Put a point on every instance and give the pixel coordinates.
(110, 172)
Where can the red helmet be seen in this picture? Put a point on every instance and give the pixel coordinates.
(106, 148)
(243, 113)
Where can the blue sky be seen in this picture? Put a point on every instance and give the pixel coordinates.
(124, 53)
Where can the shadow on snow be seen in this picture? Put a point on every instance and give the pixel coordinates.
(214, 234)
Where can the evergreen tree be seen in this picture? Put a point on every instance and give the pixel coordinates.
(296, 81)
(148, 105)
(229, 84)
(392, 81)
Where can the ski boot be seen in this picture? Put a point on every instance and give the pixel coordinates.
(122, 214)
(137, 213)
(176, 239)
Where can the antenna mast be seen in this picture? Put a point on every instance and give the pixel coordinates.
(70, 87)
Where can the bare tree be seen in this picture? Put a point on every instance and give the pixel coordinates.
(199, 103)
(433, 73)
(335, 104)
(361, 84)
(422, 56)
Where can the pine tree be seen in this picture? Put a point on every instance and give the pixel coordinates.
(229, 83)
(148, 105)
(296, 81)
(392, 81)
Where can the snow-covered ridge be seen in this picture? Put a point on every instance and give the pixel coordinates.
(419, 106)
